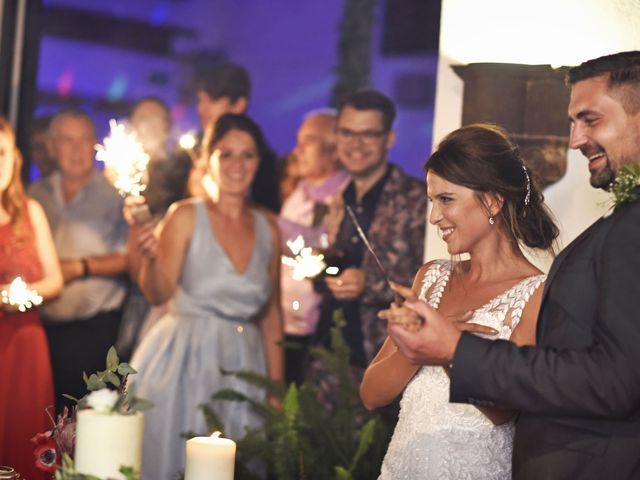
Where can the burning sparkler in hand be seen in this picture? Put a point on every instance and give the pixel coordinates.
(125, 159)
(126, 164)
(305, 263)
(20, 296)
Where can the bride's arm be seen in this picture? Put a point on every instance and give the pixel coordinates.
(386, 377)
(390, 371)
(523, 334)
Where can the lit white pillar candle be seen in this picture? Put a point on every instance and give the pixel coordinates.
(210, 458)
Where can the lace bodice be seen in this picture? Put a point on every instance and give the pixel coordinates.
(436, 439)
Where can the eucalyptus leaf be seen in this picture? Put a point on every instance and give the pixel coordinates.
(139, 404)
(112, 359)
(95, 383)
(126, 369)
(112, 378)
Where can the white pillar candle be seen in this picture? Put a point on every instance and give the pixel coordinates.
(210, 458)
(106, 442)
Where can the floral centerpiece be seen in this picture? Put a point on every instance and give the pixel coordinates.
(102, 437)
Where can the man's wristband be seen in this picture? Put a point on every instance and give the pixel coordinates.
(85, 267)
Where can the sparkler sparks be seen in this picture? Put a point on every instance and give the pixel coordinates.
(19, 296)
(187, 141)
(305, 263)
(124, 158)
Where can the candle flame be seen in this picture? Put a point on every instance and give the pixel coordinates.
(124, 158)
(20, 296)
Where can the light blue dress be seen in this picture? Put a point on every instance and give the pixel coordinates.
(210, 326)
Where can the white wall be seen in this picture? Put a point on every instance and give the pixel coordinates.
(556, 32)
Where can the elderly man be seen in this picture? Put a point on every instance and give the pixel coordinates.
(389, 205)
(85, 214)
(304, 214)
(578, 390)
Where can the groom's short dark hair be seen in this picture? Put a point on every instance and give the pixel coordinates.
(623, 70)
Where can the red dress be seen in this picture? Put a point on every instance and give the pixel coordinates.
(26, 386)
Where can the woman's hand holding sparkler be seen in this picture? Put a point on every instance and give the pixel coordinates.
(141, 235)
(347, 286)
(17, 296)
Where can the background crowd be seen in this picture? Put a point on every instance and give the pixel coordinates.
(195, 288)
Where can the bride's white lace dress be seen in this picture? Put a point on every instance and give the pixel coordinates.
(435, 439)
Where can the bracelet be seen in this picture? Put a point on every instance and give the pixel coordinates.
(85, 267)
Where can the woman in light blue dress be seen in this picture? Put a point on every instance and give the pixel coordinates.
(216, 260)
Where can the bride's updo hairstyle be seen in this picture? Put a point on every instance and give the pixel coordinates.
(483, 158)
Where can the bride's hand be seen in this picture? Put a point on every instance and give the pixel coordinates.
(398, 313)
(414, 323)
(404, 316)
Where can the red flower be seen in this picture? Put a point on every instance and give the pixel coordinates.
(46, 452)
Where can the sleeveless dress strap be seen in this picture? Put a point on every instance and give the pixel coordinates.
(436, 276)
(518, 296)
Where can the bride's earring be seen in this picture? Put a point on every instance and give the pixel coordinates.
(492, 220)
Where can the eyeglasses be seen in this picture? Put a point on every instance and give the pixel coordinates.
(367, 136)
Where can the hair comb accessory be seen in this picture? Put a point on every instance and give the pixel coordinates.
(527, 198)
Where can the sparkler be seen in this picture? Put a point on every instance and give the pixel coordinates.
(125, 158)
(305, 263)
(397, 298)
(187, 141)
(20, 296)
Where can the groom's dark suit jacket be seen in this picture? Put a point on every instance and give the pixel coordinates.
(578, 391)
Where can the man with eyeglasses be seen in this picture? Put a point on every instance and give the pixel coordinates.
(389, 205)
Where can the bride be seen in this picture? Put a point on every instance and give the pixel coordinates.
(485, 204)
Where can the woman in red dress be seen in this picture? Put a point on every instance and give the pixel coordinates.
(26, 250)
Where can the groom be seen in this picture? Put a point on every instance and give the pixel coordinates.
(578, 390)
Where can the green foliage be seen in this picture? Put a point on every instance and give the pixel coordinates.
(308, 438)
(626, 187)
(116, 375)
(66, 471)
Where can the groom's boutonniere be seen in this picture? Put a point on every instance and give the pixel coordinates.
(626, 186)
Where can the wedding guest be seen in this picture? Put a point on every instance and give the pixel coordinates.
(26, 250)
(484, 203)
(168, 170)
(90, 234)
(578, 390)
(217, 259)
(150, 119)
(304, 214)
(391, 209)
(226, 88)
(166, 183)
(288, 175)
(39, 152)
